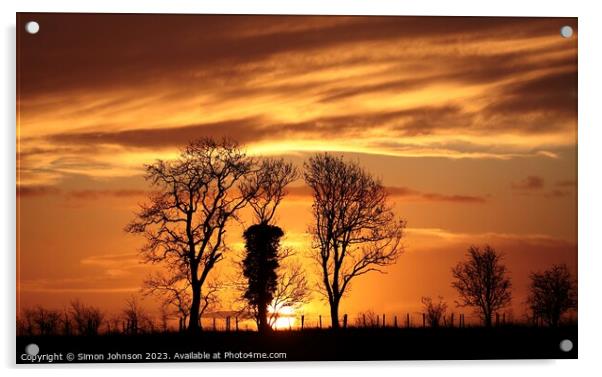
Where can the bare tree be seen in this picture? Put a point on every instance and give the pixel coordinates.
(292, 290)
(482, 282)
(367, 319)
(164, 317)
(174, 292)
(135, 316)
(271, 180)
(39, 321)
(434, 311)
(355, 230)
(197, 196)
(114, 323)
(552, 293)
(87, 319)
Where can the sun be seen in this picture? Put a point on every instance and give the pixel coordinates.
(285, 318)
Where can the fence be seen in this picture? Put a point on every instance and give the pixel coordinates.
(362, 320)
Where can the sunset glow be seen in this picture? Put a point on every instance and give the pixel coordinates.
(470, 126)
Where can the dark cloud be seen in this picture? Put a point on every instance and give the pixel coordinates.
(567, 183)
(97, 194)
(463, 68)
(404, 192)
(246, 130)
(89, 51)
(556, 193)
(531, 182)
(36, 190)
(420, 120)
(45, 190)
(557, 92)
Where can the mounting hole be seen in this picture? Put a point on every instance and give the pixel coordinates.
(566, 31)
(32, 27)
(32, 349)
(566, 345)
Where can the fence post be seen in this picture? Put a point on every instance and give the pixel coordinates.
(364, 319)
(344, 321)
(302, 321)
(395, 321)
(504, 318)
(451, 320)
(408, 320)
(423, 320)
(320, 321)
(377, 321)
(236, 319)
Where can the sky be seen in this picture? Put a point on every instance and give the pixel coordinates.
(470, 123)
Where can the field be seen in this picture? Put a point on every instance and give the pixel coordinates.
(508, 342)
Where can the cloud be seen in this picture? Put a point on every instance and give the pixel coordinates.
(187, 44)
(97, 194)
(557, 193)
(535, 185)
(405, 193)
(36, 190)
(567, 183)
(419, 120)
(532, 182)
(556, 92)
(85, 194)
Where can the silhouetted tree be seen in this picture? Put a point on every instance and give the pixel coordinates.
(39, 321)
(367, 319)
(262, 242)
(354, 229)
(174, 292)
(482, 282)
(136, 319)
(262, 239)
(114, 323)
(270, 181)
(553, 292)
(86, 319)
(434, 311)
(292, 289)
(197, 196)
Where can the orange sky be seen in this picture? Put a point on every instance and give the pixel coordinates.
(470, 122)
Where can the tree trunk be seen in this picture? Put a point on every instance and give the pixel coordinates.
(262, 319)
(195, 306)
(488, 320)
(334, 314)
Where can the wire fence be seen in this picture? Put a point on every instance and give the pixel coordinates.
(363, 320)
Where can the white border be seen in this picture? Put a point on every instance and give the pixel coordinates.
(590, 183)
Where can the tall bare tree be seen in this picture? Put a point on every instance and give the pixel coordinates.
(553, 293)
(197, 195)
(354, 228)
(482, 282)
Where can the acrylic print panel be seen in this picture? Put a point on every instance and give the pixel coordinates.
(290, 188)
